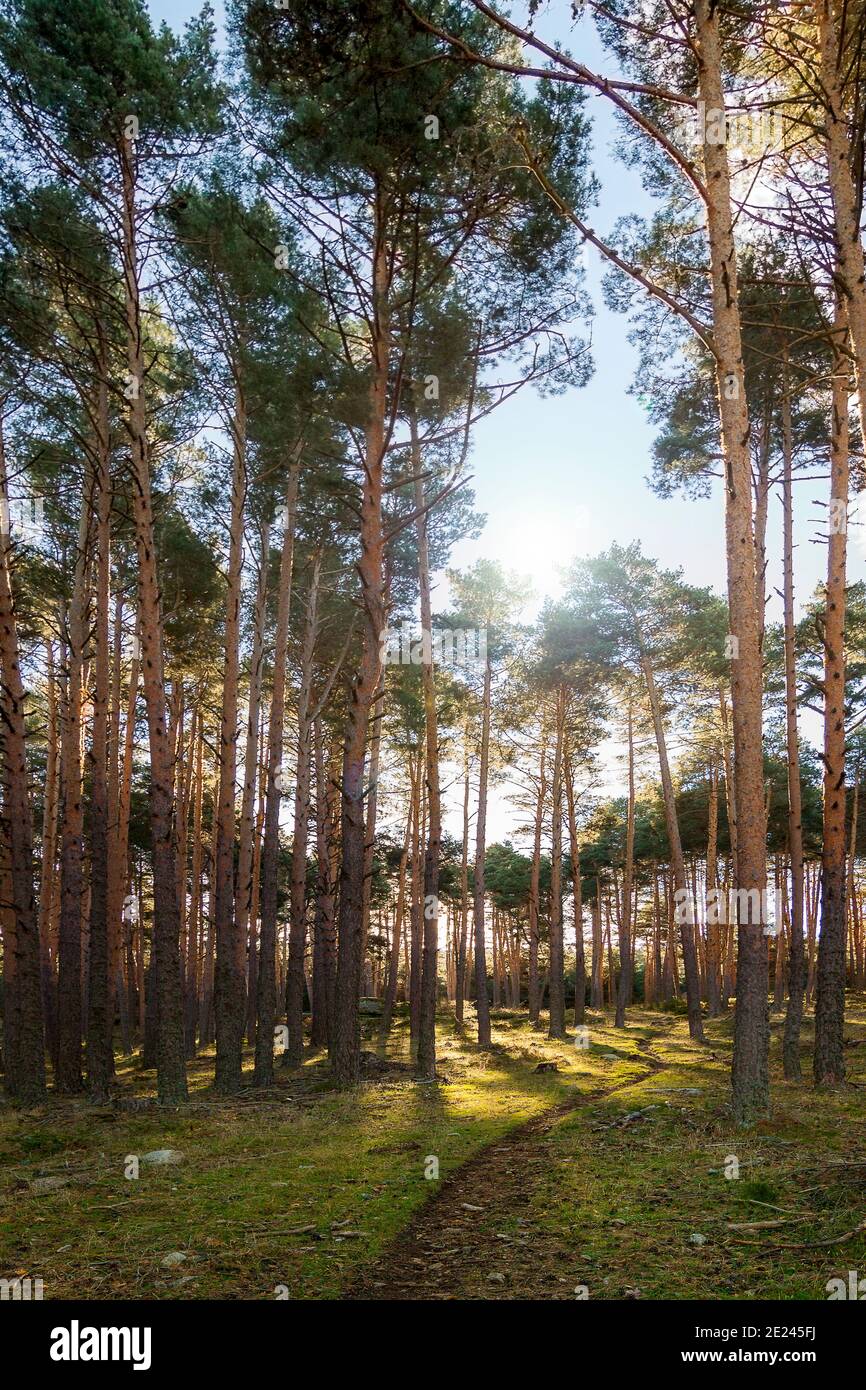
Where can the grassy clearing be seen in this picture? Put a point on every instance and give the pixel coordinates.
(302, 1186)
(257, 1171)
(629, 1197)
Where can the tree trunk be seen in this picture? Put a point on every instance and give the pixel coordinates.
(101, 981)
(247, 832)
(714, 949)
(856, 924)
(534, 882)
(430, 954)
(579, 951)
(171, 1070)
(415, 912)
(324, 952)
(796, 972)
(460, 983)
(750, 1071)
(597, 990)
(399, 915)
(298, 892)
(482, 1006)
(557, 977)
(191, 973)
(24, 1042)
(624, 993)
(48, 883)
(266, 985)
(67, 1077)
(678, 866)
(230, 974)
(347, 1036)
(829, 1063)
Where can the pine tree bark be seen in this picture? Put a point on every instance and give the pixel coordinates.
(579, 950)
(750, 1071)
(119, 843)
(714, 948)
(534, 882)
(116, 885)
(597, 990)
(678, 865)
(100, 984)
(171, 1069)
(67, 1076)
(48, 882)
(482, 1005)
(796, 960)
(324, 924)
(266, 984)
(430, 952)
(623, 998)
(399, 915)
(191, 971)
(843, 148)
(346, 1057)
(416, 881)
(829, 1061)
(298, 891)
(556, 1028)
(374, 754)
(24, 1041)
(460, 979)
(230, 972)
(247, 832)
(854, 898)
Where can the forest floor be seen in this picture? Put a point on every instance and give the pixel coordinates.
(603, 1179)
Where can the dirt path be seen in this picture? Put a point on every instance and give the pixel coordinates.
(474, 1238)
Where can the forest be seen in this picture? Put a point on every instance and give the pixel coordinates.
(381, 920)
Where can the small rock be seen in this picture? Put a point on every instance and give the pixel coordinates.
(696, 1239)
(631, 1293)
(496, 1278)
(546, 1066)
(43, 1185)
(176, 1257)
(467, 1206)
(677, 1090)
(163, 1156)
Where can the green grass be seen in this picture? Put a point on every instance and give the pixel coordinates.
(301, 1186)
(631, 1197)
(257, 1169)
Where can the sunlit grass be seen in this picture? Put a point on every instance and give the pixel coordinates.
(302, 1185)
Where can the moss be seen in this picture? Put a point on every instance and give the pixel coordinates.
(302, 1186)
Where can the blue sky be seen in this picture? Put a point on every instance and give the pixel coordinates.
(565, 476)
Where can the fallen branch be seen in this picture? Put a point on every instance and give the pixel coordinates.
(764, 1225)
(812, 1244)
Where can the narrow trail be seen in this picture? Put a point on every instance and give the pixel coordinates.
(465, 1234)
